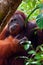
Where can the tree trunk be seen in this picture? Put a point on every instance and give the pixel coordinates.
(7, 8)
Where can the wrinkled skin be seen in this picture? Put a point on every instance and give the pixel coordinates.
(15, 25)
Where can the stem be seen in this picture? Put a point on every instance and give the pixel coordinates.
(30, 14)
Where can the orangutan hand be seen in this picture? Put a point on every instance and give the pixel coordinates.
(8, 45)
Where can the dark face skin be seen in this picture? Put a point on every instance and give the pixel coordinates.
(16, 24)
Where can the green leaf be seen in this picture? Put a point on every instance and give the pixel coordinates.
(41, 48)
(27, 63)
(31, 52)
(38, 56)
(39, 21)
(40, 6)
(34, 1)
(27, 45)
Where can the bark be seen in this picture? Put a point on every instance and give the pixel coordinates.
(7, 7)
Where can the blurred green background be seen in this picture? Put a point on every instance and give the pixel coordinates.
(28, 5)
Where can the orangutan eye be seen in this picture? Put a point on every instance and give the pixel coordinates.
(11, 20)
(15, 19)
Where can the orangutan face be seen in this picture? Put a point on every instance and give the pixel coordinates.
(16, 24)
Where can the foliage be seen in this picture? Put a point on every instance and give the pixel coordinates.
(27, 6)
(39, 6)
(39, 20)
(35, 56)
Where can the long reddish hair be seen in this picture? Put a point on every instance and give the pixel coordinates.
(21, 13)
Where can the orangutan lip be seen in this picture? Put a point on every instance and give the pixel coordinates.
(13, 27)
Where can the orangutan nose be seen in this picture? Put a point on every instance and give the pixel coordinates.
(13, 27)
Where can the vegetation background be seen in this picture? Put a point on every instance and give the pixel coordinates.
(35, 56)
(27, 6)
